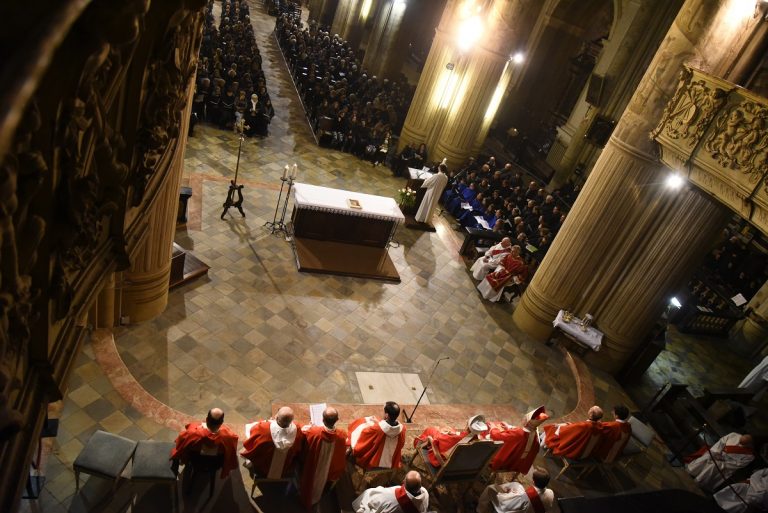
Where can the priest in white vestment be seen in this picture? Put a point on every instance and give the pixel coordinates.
(434, 185)
(410, 497)
(730, 453)
(491, 259)
(513, 497)
(757, 379)
(753, 493)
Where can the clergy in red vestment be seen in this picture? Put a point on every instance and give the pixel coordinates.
(576, 440)
(442, 441)
(324, 457)
(614, 435)
(272, 445)
(521, 444)
(512, 267)
(210, 438)
(378, 443)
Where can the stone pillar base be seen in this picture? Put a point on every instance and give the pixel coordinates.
(145, 295)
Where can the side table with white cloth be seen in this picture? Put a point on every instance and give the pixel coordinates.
(585, 339)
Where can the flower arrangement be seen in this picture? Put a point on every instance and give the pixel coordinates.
(406, 197)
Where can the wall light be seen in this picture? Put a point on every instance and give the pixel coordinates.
(469, 32)
(365, 9)
(674, 181)
(518, 58)
(675, 302)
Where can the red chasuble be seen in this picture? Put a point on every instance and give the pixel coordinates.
(575, 441)
(614, 436)
(196, 435)
(442, 442)
(314, 437)
(512, 266)
(260, 448)
(404, 501)
(368, 437)
(519, 450)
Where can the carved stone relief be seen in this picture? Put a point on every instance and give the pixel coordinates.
(739, 140)
(21, 173)
(171, 69)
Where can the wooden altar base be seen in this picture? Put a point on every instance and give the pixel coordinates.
(319, 256)
(413, 224)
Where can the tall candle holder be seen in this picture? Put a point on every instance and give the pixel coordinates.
(234, 189)
(276, 225)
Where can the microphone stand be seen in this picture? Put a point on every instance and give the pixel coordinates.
(429, 380)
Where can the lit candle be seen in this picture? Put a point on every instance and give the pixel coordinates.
(295, 171)
(285, 172)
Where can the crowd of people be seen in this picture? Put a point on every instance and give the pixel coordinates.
(349, 109)
(230, 90)
(525, 218)
(319, 455)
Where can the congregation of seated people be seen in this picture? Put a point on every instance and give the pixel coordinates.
(348, 108)
(230, 89)
(526, 217)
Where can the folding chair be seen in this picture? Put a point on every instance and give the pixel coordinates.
(465, 463)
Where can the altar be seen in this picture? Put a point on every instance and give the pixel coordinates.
(344, 232)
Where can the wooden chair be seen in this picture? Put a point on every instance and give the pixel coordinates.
(465, 463)
(587, 464)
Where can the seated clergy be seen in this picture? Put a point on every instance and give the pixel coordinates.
(730, 453)
(521, 443)
(323, 459)
(752, 494)
(442, 441)
(272, 445)
(491, 259)
(410, 497)
(378, 443)
(207, 439)
(576, 440)
(511, 268)
(513, 497)
(614, 435)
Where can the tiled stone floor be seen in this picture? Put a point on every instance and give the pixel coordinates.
(256, 332)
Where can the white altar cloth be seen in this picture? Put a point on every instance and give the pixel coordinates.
(314, 197)
(591, 338)
(419, 174)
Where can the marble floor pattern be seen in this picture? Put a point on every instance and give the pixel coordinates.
(255, 332)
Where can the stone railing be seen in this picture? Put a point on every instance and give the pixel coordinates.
(716, 133)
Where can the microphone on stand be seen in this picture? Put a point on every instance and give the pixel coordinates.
(409, 417)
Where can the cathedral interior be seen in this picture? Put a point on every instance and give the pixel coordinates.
(132, 305)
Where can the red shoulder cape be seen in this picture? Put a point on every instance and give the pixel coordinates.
(195, 435)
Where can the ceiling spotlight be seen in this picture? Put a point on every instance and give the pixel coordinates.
(675, 181)
(518, 58)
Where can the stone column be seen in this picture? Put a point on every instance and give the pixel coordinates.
(750, 335)
(457, 84)
(145, 284)
(387, 48)
(315, 9)
(327, 12)
(624, 57)
(346, 15)
(628, 242)
(105, 304)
